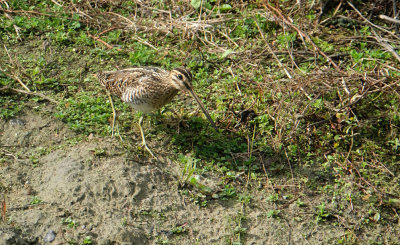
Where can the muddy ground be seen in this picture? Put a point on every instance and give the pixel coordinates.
(62, 190)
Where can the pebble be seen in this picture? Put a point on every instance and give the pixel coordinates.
(50, 236)
(15, 121)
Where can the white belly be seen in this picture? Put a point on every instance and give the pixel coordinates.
(146, 108)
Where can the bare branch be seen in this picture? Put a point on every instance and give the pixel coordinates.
(384, 17)
(29, 93)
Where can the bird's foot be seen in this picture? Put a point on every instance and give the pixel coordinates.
(144, 145)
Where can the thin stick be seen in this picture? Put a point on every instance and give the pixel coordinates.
(133, 25)
(16, 79)
(237, 85)
(227, 37)
(279, 62)
(56, 3)
(384, 17)
(272, 52)
(386, 45)
(144, 42)
(123, 17)
(26, 12)
(277, 14)
(369, 22)
(29, 93)
(395, 16)
(103, 42)
(290, 165)
(17, 29)
(346, 89)
(108, 30)
(9, 56)
(15, 63)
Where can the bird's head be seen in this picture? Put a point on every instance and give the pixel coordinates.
(181, 79)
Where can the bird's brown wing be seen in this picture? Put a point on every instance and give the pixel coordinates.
(131, 85)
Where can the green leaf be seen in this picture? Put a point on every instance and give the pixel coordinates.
(377, 217)
(205, 189)
(193, 181)
(225, 7)
(196, 3)
(226, 53)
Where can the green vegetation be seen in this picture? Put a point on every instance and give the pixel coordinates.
(69, 222)
(35, 200)
(87, 240)
(292, 121)
(322, 213)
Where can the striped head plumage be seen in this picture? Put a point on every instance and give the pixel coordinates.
(181, 78)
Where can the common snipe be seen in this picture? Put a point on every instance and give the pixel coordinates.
(148, 88)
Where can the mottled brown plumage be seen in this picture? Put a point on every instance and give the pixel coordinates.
(149, 88)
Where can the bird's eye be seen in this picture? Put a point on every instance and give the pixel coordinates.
(180, 76)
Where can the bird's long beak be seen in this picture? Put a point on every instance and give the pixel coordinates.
(203, 108)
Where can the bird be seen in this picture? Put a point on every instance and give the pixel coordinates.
(147, 89)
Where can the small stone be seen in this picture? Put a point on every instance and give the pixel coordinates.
(16, 121)
(50, 236)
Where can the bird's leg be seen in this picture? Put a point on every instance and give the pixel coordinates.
(114, 114)
(120, 137)
(143, 138)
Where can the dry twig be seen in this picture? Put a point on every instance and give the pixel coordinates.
(384, 17)
(25, 12)
(13, 76)
(16, 79)
(29, 93)
(272, 52)
(103, 42)
(369, 22)
(279, 15)
(386, 45)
